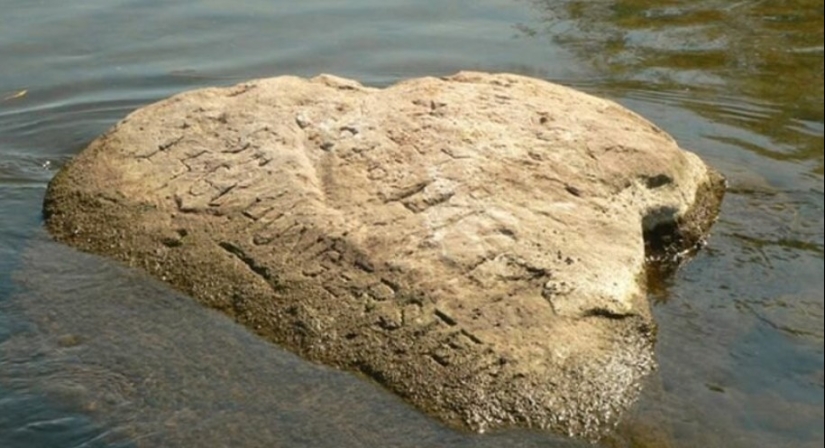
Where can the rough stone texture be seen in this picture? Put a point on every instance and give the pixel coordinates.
(475, 243)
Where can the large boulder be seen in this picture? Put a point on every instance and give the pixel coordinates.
(476, 243)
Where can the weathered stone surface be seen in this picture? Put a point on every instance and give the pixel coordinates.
(475, 243)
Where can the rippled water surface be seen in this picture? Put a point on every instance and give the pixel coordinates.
(94, 355)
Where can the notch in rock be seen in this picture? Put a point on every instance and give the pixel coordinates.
(657, 181)
(261, 271)
(445, 317)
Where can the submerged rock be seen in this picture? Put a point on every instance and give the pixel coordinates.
(476, 243)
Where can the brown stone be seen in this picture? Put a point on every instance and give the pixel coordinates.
(476, 243)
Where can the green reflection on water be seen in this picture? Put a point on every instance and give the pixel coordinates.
(767, 56)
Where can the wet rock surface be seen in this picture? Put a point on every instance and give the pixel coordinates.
(476, 243)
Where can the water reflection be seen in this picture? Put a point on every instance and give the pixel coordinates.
(715, 51)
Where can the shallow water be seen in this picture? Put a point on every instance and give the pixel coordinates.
(120, 360)
(94, 355)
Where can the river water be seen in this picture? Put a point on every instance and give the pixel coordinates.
(95, 355)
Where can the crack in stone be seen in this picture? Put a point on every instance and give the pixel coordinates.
(471, 337)
(161, 148)
(405, 193)
(170, 143)
(364, 264)
(439, 359)
(452, 220)
(238, 148)
(418, 207)
(606, 313)
(446, 318)
(221, 193)
(261, 271)
(392, 285)
(239, 90)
